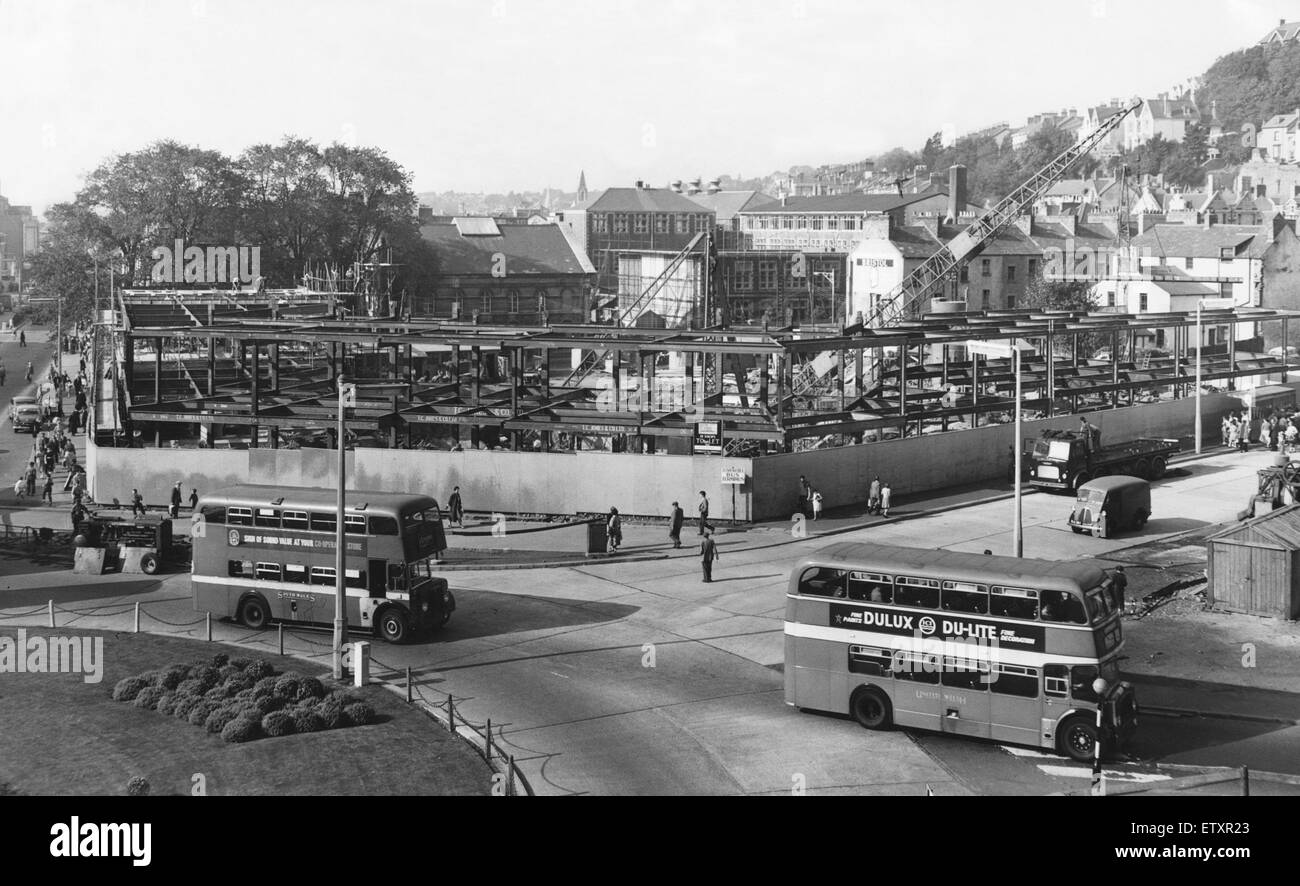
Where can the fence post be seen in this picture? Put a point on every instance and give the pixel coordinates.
(408, 684)
(51, 609)
(280, 630)
(510, 777)
(1245, 781)
(488, 746)
(137, 616)
(451, 714)
(208, 620)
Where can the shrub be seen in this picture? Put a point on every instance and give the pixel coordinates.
(138, 786)
(243, 696)
(278, 723)
(172, 677)
(220, 660)
(206, 675)
(165, 703)
(183, 704)
(198, 715)
(219, 717)
(265, 704)
(148, 697)
(310, 688)
(265, 686)
(129, 688)
(216, 693)
(331, 712)
(360, 713)
(259, 668)
(240, 663)
(241, 729)
(286, 685)
(225, 672)
(190, 685)
(307, 719)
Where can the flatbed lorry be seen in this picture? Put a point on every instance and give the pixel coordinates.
(1064, 460)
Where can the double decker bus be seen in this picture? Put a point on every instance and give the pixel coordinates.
(267, 553)
(990, 647)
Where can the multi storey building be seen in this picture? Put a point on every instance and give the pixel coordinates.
(1163, 116)
(19, 240)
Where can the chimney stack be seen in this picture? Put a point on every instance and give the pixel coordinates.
(956, 193)
(878, 227)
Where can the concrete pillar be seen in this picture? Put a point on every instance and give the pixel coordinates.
(157, 368)
(275, 367)
(212, 366)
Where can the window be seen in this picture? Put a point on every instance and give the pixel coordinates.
(967, 674)
(267, 517)
(640, 223)
(1010, 299)
(919, 592)
(322, 575)
(383, 526)
(986, 268)
(354, 524)
(1110, 298)
(744, 276)
(662, 222)
(1015, 680)
(963, 275)
(960, 596)
(1081, 680)
(1226, 253)
(600, 223)
(239, 516)
(485, 301)
(295, 573)
(295, 520)
(514, 301)
(1187, 263)
(1014, 603)
(268, 571)
(322, 522)
(1142, 302)
(683, 224)
(620, 223)
(823, 582)
(1033, 268)
(1062, 607)
(240, 569)
(871, 587)
(866, 660)
(767, 275)
(985, 295)
(917, 667)
(701, 223)
(1011, 273)
(1056, 681)
(213, 513)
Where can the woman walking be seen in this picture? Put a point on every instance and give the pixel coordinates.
(614, 527)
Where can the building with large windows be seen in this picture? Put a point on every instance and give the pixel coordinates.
(19, 240)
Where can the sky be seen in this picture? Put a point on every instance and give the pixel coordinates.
(499, 95)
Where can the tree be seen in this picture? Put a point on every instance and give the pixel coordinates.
(1046, 295)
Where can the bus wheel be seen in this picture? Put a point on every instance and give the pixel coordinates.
(870, 708)
(254, 613)
(1078, 739)
(392, 625)
(149, 564)
(1158, 467)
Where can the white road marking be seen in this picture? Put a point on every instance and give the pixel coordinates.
(1109, 774)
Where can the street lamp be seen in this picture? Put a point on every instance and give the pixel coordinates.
(347, 397)
(1010, 349)
(1212, 304)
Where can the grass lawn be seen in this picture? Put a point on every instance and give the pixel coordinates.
(62, 736)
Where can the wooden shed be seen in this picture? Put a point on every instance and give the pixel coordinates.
(1254, 567)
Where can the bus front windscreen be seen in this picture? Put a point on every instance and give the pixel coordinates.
(423, 534)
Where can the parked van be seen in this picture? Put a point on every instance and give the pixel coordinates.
(1111, 504)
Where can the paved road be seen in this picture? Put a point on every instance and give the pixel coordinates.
(637, 678)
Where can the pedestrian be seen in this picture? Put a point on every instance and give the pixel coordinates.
(1119, 588)
(805, 495)
(1226, 427)
(455, 511)
(675, 525)
(194, 501)
(614, 529)
(873, 497)
(22, 342)
(78, 515)
(1234, 434)
(3, 373)
(31, 479)
(1265, 434)
(816, 504)
(1243, 438)
(137, 503)
(175, 509)
(708, 553)
(885, 495)
(703, 509)
(29, 370)
(20, 486)
(47, 488)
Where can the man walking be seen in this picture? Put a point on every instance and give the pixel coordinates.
(1119, 584)
(47, 488)
(873, 497)
(175, 509)
(703, 509)
(137, 503)
(675, 525)
(805, 495)
(708, 553)
(455, 512)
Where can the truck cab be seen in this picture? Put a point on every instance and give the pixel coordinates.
(1058, 459)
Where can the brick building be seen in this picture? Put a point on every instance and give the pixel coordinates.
(19, 240)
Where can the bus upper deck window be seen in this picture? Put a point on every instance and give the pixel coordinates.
(1063, 607)
(268, 518)
(1014, 603)
(354, 524)
(822, 583)
(960, 596)
(295, 573)
(322, 522)
(295, 520)
(870, 587)
(213, 513)
(383, 526)
(239, 516)
(920, 592)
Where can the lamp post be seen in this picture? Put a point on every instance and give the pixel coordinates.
(1099, 687)
(1011, 349)
(347, 397)
(1212, 303)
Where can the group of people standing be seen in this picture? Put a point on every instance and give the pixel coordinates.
(1278, 430)
(50, 450)
(810, 502)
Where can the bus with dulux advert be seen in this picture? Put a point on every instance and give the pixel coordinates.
(267, 553)
(1001, 648)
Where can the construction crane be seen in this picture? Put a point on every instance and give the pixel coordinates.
(904, 299)
(630, 314)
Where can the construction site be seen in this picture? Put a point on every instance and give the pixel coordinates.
(213, 387)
